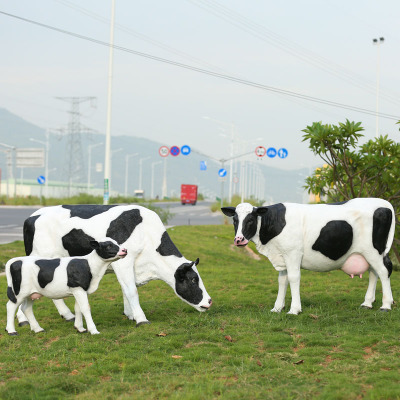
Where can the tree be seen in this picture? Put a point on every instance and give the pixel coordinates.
(354, 170)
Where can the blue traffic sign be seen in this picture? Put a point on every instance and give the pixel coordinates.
(185, 150)
(174, 151)
(222, 172)
(282, 153)
(271, 152)
(203, 165)
(41, 179)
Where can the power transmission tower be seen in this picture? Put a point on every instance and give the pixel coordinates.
(75, 170)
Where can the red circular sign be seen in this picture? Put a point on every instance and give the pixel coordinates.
(260, 151)
(174, 151)
(163, 151)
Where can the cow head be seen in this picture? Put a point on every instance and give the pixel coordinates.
(244, 221)
(108, 249)
(190, 288)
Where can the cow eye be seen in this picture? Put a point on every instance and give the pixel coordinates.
(193, 280)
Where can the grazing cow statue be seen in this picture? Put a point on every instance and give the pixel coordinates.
(355, 236)
(30, 278)
(67, 230)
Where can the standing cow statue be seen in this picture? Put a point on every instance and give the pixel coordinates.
(355, 236)
(67, 230)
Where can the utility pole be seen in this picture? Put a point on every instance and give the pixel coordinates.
(378, 43)
(74, 166)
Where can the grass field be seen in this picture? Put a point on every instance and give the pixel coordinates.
(237, 350)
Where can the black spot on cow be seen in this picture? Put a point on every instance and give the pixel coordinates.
(11, 295)
(338, 203)
(187, 283)
(272, 221)
(46, 270)
(77, 242)
(121, 228)
(334, 240)
(382, 221)
(167, 246)
(29, 233)
(15, 270)
(106, 250)
(78, 273)
(86, 211)
(249, 226)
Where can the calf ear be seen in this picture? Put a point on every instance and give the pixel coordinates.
(94, 245)
(228, 211)
(260, 211)
(196, 262)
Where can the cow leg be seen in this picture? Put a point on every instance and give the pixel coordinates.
(78, 319)
(380, 269)
(83, 303)
(127, 308)
(293, 272)
(63, 310)
(11, 309)
(27, 309)
(283, 284)
(370, 295)
(125, 273)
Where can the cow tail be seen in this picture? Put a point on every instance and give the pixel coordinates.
(386, 260)
(10, 288)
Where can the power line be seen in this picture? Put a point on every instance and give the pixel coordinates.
(210, 73)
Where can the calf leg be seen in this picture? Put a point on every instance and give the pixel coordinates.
(293, 271)
(63, 310)
(283, 284)
(22, 320)
(78, 319)
(83, 303)
(370, 295)
(11, 309)
(27, 309)
(125, 273)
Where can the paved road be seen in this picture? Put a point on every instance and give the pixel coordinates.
(12, 218)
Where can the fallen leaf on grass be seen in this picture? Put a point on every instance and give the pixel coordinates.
(313, 316)
(228, 338)
(259, 363)
(176, 357)
(74, 372)
(298, 362)
(162, 334)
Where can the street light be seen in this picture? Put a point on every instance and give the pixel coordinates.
(90, 147)
(378, 42)
(127, 157)
(152, 177)
(112, 153)
(140, 171)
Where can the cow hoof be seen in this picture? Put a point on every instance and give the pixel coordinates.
(23, 323)
(13, 334)
(142, 323)
(42, 330)
(384, 309)
(366, 307)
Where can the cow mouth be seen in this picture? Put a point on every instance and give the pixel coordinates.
(122, 253)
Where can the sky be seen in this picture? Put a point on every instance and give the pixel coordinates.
(323, 49)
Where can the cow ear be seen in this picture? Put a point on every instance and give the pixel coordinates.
(260, 211)
(228, 211)
(94, 244)
(197, 262)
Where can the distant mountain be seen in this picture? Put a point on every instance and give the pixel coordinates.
(281, 185)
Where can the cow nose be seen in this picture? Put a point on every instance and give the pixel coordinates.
(239, 240)
(207, 307)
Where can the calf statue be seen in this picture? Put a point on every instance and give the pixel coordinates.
(67, 230)
(355, 236)
(30, 278)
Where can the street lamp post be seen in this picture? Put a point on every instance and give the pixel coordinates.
(110, 166)
(127, 157)
(378, 42)
(140, 171)
(90, 147)
(152, 177)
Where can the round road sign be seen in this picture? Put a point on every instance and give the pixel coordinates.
(41, 179)
(260, 151)
(282, 153)
(174, 151)
(271, 152)
(185, 150)
(163, 151)
(222, 172)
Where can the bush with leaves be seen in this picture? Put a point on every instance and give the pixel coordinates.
(354, 170)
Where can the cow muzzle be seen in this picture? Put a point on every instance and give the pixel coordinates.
(206, 307)
(122, 253)
(240, 241)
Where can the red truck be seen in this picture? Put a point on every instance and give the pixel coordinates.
(189, 194)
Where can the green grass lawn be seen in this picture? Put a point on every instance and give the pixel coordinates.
(236, 350)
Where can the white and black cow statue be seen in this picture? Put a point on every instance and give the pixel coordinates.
(30, 278)
(355, 236)
(67, 230)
